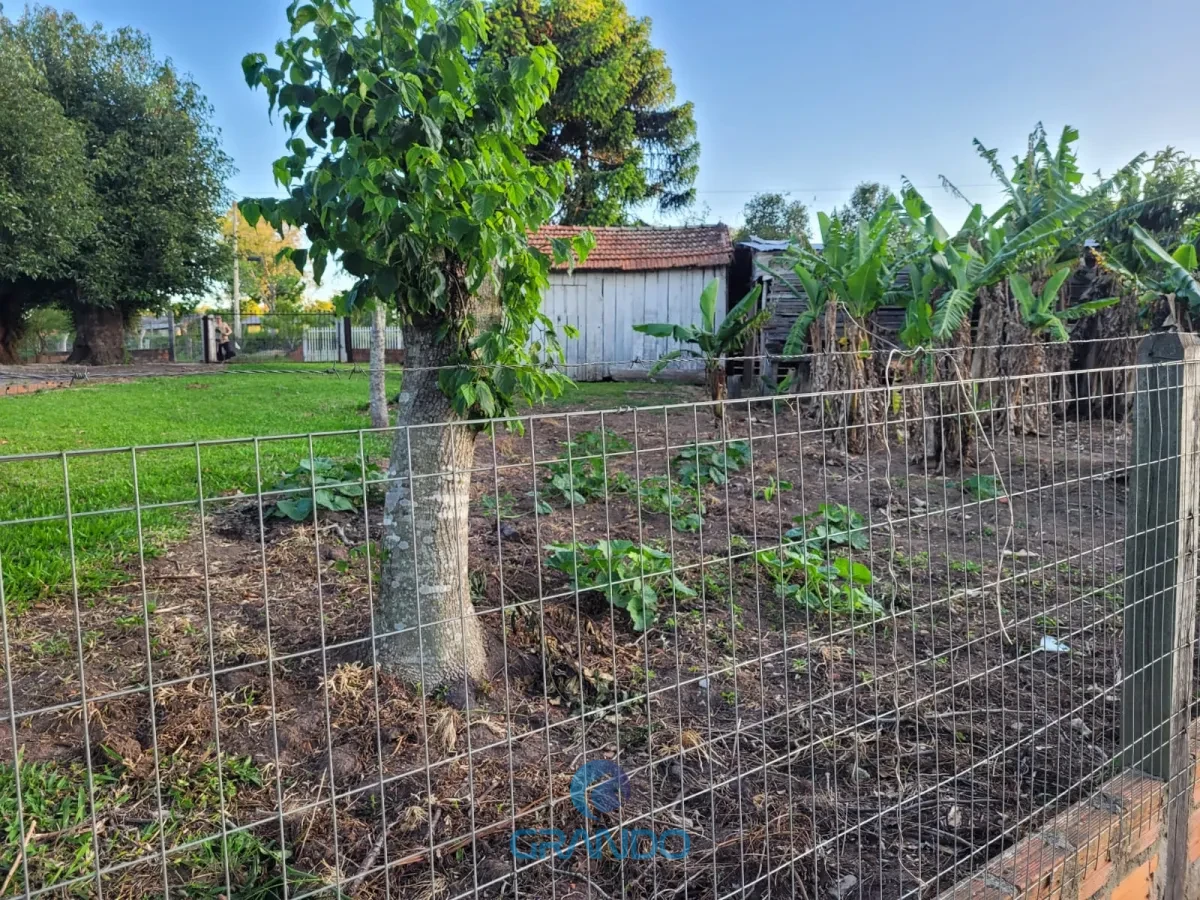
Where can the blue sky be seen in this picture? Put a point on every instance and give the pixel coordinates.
(811, 98)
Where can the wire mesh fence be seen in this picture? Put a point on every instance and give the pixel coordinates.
(691, 650)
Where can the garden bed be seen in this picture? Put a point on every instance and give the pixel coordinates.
(806, 752)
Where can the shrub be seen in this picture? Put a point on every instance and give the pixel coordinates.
(629, 574)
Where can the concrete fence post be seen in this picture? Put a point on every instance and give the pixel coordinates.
(1160, 579)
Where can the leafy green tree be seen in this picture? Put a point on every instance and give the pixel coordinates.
(712, 341)
(412, 173)
(153, 165)
(613, 113)
(867, 198)
(773, 217)
(46, 202)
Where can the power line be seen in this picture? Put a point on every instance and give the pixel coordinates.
(832, 190)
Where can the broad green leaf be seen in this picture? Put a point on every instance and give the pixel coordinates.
(708, 305)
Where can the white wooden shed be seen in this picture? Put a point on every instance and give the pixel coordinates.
(633, 275)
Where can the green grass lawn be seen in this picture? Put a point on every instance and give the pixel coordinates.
(36, 556)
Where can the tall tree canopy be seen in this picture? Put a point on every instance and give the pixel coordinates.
(46, 203)
(613, 114)
(414, 176)
(773, 217)
(867, 198)
(153, 166)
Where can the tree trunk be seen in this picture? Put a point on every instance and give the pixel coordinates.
(717, 389)
(942, 414)
(99, 335)
(1006, 354)
(425, 591)
(1105, 343)
(13, 305)
(10, 334)
(378, 390)
(841, 375)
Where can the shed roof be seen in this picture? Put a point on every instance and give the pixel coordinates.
(640, 249)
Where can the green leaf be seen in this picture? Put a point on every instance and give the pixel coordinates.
(387, 108)
(296, 510)
(252, 68)
(708, 305)
(433, 134)
(656, 329)
(1050, 291)
(303, 16)
(1185, 255)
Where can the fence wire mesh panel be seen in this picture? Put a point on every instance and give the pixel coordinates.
(849, 644)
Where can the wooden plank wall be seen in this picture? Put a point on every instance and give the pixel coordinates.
(604, 307)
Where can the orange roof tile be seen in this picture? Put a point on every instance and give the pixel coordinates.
(639, 249)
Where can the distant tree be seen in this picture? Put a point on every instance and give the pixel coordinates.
(865, 200)
(46, 203)
(613, 114)
(774, 218)
(154, 167)
(268, 280)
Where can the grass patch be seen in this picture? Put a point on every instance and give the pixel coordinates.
(103, 538)
(41, 557)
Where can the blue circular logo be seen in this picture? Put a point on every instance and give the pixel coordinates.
(611, 787)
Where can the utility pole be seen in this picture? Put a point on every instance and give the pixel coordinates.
(237, 280)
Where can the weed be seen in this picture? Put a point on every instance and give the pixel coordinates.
(773, 487)
(55, 645)
(965, 565)
(919, 560)
(503, 506)
(659, 494)
(982, 487)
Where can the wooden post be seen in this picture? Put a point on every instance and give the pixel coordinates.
(1160, 579)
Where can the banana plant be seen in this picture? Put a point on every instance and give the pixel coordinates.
(711, 341)
(1038, 311)
(1176, 268)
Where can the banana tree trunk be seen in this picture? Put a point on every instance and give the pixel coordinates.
(717, 388)
(424, 603)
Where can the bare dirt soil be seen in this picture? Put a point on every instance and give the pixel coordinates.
(806, 753)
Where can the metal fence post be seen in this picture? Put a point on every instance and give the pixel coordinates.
(1160, 576)
(206, 338)
(170, 333)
